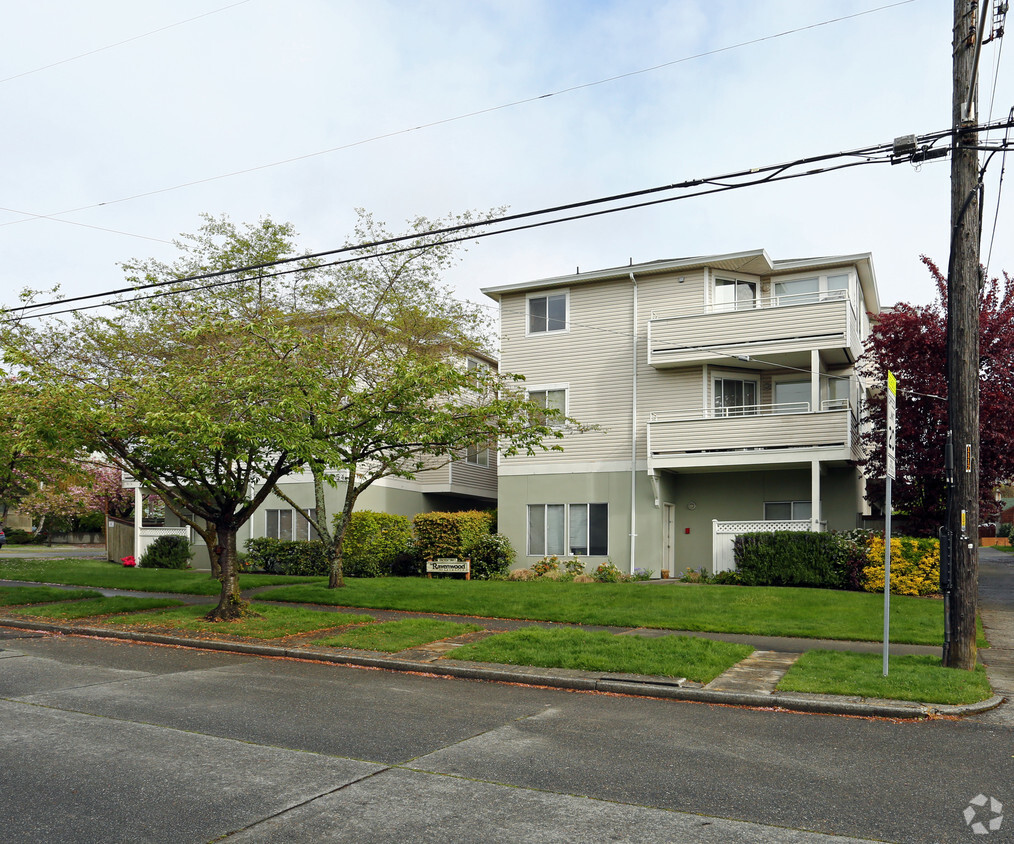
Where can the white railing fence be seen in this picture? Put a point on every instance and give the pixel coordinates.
(723, 536)
(147, 535)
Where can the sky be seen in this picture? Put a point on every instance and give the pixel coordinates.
(123, 122)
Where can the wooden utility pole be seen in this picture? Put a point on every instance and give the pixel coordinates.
(963, 280)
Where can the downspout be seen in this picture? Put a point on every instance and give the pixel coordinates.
(633, 431)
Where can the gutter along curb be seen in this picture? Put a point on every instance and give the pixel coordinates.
(574, 680)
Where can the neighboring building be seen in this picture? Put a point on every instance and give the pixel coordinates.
(724, 397)
(468, 483)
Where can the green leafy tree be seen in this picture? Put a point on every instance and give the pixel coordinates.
(177, 390)
(383, 359)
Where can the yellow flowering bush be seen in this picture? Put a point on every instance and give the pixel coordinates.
(915, 566)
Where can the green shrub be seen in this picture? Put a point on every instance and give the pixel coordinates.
(795, 558)
(449, 534)
(491, 554)
(298, 557)
(167, 552)
(1006, 529)
(373, 543)
(21, 537)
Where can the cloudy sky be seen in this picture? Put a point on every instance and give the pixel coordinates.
(123, 122)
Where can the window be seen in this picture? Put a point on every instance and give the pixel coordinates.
(735, 397)
(547, 313)
(783, 511)
(798, 291)
(279, 525)
(578, 529)
(477, 456)
(792, 396)
(551, 399)
(735, 295)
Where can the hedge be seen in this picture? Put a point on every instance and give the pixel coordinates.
(298, 557)
(449, 534)
(801, 558)
(375, 543)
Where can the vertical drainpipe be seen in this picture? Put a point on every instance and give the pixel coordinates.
(633, 431)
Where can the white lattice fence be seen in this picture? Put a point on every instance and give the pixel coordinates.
(723, 535)
(150, 534)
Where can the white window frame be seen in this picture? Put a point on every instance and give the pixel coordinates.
(729, 375)
(566, 551)
(296, 518)
(822, 293)
(547, 294)
(551, 388)
(794, 378)
(793, 517)
(723, 307)
(478, 456)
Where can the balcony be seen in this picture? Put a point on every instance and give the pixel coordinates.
(770, 325)
(773, 434)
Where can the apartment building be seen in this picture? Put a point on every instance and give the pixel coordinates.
(723, 397)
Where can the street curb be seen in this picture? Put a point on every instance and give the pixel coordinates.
(653, 687)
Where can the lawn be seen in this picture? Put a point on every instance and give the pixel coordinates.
(921, 678)
(14, 595)
(268, 622)
(757, 610)
(91, 572)
(394, 636)
(93, 607)
(700, 660)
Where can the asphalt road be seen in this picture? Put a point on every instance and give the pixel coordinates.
(112, 741)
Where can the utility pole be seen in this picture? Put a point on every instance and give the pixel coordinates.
(963, 280)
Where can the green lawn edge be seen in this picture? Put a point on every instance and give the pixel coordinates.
(910, 678)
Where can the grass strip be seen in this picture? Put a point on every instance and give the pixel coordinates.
(394, 636)
(269, 622)
(756, 610)
(91, 572)
(700, 660)
(918, 678)
(14, 595)
(93, 607)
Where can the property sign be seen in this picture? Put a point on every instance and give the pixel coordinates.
(448, 566)
(892, 424)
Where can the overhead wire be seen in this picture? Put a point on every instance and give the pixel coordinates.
(56, 215)
(120, 43)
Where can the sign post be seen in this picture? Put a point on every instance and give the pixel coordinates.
(889, 463)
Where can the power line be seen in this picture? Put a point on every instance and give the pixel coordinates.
(54, 216)
(119, 44)
(876, 154)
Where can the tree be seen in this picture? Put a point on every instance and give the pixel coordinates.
(910, 341)
(177, 391)
(38, 457)
(384, 364)
(212, 391)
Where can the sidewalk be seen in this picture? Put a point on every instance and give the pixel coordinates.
(749, 683)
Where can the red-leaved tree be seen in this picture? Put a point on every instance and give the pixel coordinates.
(911, 341)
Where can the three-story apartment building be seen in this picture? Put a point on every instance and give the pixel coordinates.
(723, 397)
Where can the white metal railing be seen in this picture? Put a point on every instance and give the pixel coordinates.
(759, 303)
(769, 409)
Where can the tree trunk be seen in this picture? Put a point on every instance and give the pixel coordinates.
(231, 606)
(337, 546)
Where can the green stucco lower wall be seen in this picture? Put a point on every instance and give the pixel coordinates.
(697, 500)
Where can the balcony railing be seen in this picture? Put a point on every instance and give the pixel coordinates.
(765, 427)
(681, 336)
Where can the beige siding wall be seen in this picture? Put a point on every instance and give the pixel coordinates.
(593, 360)
(465, 476)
